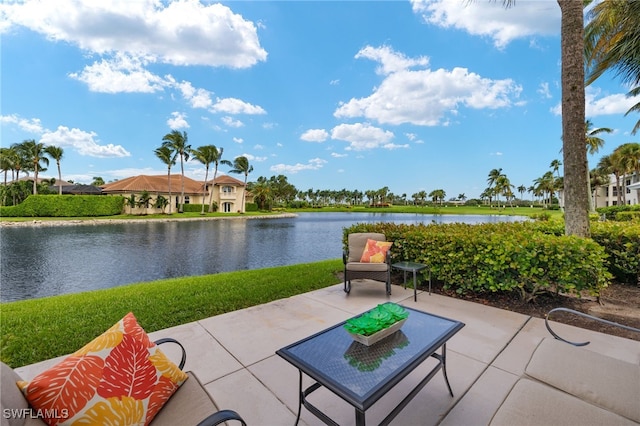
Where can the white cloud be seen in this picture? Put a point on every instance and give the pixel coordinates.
(236, 106)
(251, 157)
(178, 121)
(313, 164)
(123, 73)
(32, 125)
(315, 135)
(180, 33)
(543, 90)
(390, 60)
(491, 19)
(595, 104)
(229, 121)
(425, 97)
(197, 98)
(336, 155)
(362, 136)
(83, 142)
(238, 140)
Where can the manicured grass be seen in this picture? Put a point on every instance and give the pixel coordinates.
(39, 329)
(507, 211)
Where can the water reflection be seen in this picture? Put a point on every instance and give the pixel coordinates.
(45, 261)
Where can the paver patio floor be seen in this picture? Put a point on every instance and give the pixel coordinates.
(234, 356)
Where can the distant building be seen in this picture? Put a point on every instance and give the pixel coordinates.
(226, 191)
(612, 195)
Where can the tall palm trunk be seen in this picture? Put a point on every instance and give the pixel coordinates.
(59, 178)
(573, 118)
(204, 190)
(181, 208)
(213, 188)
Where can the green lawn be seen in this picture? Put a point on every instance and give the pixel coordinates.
(39, 329)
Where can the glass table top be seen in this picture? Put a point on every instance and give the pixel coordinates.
(358, 372)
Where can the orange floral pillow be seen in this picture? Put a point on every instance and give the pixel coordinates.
(375, 251)
(121, 377)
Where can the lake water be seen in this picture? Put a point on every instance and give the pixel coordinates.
(45, 261)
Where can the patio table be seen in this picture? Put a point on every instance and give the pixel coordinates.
(360, 374)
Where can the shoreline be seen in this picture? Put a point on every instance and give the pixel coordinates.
(76, 222)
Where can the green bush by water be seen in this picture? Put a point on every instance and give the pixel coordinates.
(65, 206)
(522, 257)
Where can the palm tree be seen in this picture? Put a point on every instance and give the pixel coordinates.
(573, 115)
(241, 166)
(144, 201)
(629, 160)
(160, 202)
(594, 143)
(522, 189)
(97, 181)
(217, 160)
(168, 156)
(131, 202)
(612, 41)
(33, 153)
(494, 175)
(598, 178)
(206, 154)
(179, 142)
(55, 152)
(576, 199)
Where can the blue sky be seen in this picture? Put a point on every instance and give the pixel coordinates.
(411, 95)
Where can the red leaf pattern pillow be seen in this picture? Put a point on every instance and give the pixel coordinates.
(375, 251)
(120, 377)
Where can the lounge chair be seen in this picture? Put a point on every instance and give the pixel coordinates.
(355, 268)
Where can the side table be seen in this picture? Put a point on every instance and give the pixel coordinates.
(414, 267)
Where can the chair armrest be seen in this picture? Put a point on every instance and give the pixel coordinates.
(221, 417)
(572, 311)
(170, 340)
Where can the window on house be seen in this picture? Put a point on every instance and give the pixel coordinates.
(227, 189)
(186, 199)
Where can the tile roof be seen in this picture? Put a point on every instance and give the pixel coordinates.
(158, 183)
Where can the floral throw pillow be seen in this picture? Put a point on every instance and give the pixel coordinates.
(375, 251)
(121, 377)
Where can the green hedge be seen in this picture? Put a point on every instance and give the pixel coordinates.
(65, 206)
(499, 257)
(197, 208)
(621, 241)
(611, 212)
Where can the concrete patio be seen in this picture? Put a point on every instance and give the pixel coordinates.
(234, 356)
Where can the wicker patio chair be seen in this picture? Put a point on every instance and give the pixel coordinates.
(355, 269)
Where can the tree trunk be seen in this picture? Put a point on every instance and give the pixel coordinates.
(574, 144)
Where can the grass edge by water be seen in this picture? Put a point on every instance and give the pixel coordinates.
(38, 329)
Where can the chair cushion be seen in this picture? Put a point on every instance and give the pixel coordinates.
(375, 251)
(188, 406)
(366, 267)
(607, 382)
(10, 397)
(358, 240)
(121, 377)
(533, 404)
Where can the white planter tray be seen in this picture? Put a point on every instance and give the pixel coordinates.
(376, 337)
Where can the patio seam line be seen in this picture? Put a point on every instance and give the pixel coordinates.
(242, 366)
(484, 370)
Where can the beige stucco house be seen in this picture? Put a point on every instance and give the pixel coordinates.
(226, 191)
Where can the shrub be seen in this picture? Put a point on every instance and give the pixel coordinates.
(621, 242)
(251, 207)
(611, 212)
(66, 206)
(498, 257)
